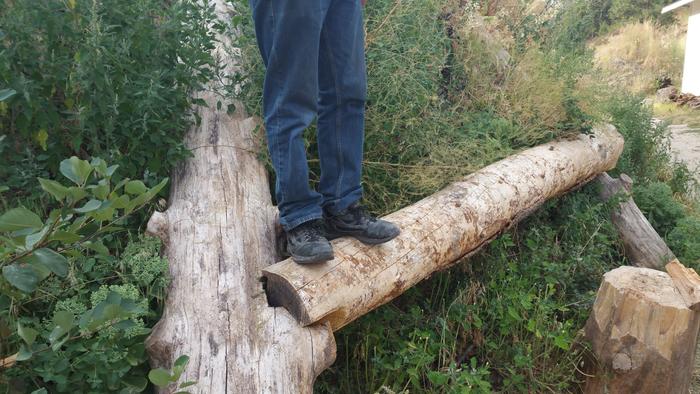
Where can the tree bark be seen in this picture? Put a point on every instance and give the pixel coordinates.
(643, 245)
(438, 230)
(218, 234)
(642, 333)
(687, 282)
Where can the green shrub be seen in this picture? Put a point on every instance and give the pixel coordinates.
(684, 241)
(110, 78)
(74, 315)
(656, 201)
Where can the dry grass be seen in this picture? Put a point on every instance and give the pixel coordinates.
(637, 54)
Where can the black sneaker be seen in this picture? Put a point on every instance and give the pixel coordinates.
(307, 245)
(356, 222)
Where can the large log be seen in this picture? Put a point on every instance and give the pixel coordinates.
(642, 333)
(438, 230)
(643, 245)
(218, 234)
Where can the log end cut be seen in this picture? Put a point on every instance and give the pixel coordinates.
(281, 293)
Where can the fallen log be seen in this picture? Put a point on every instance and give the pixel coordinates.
(643, 245)
(642, 333)
(438, 230)
(218, 233)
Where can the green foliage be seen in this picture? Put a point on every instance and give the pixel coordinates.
(684, 240)
(112, 78)
(656, 200)
(74, 314)
(639, 10)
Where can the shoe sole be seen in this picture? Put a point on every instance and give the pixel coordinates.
(311, 259)
(365, 240)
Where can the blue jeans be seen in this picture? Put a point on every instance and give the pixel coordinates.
(314, 56)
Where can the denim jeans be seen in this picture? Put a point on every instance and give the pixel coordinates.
(313, 52)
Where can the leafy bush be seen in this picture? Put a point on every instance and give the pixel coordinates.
(73, 315)
(684, 240)
(110, 78)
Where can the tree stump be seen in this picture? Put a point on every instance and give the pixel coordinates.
(642, 333)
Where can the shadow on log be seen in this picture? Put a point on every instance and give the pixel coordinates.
(439, 230)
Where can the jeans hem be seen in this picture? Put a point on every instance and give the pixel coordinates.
(298, 221)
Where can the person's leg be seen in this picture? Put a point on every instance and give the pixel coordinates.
(288, 34)
(341, 118)
(342, 94)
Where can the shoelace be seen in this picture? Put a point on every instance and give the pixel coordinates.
(310, 231)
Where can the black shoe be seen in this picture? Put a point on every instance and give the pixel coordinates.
(307, 245)
(356, 222)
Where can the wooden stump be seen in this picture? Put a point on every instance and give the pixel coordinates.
(642, 333)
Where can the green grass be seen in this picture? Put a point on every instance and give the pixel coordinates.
(675, 114)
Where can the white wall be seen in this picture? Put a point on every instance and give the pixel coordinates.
(691, 69)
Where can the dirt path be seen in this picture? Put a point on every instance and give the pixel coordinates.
(685, 145)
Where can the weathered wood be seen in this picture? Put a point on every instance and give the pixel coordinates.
(643, 245)
(438, 230)
(687, 282)
(218, 234)
(642, 334)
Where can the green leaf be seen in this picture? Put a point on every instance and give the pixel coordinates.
(27, 334)
(110, 170)
(39, 391)
(19, 219)
(76, 193)
(437, 378)
(58, 191)
(89, 206)
(21, 276)
(98, 246)
(159, 377)
(188, 384)
(76, 170)
(562, 342)
(6, 94)
(33, 239)
(135, 187)
(179, 366)
(24, 353)
(63, 322)
(99, 165)
(120, 202)
(42, 138)
(50, 259)
(101, 190)
(64, 236)
(137, 382)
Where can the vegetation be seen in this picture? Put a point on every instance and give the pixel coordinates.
(453, 86)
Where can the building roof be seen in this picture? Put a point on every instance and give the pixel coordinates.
(677, 4)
